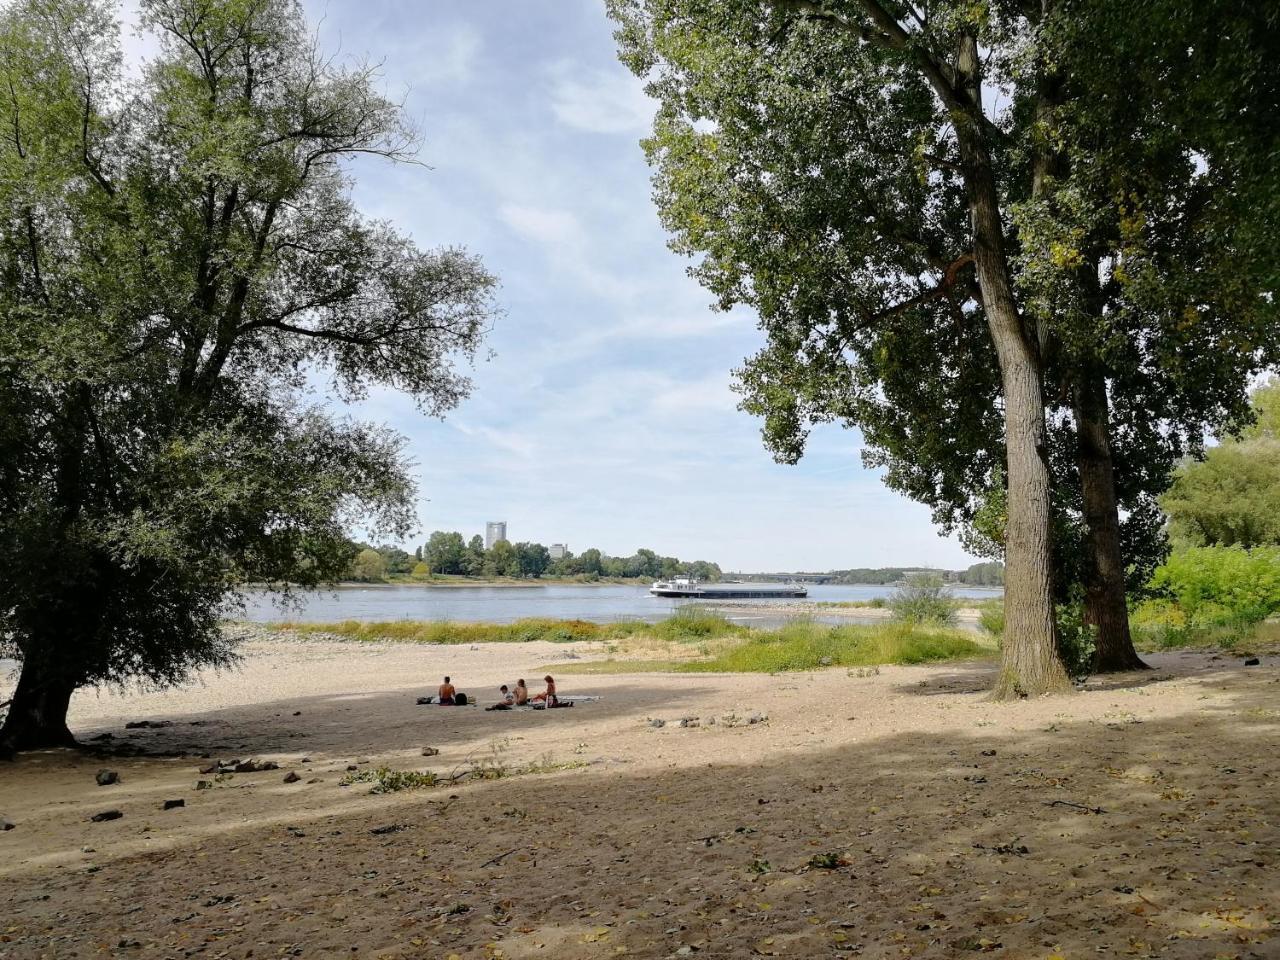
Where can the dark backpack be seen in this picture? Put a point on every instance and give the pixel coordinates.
(459, 699)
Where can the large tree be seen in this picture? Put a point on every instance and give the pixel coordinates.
(838, 167)
(1115, 239)
(180, 264)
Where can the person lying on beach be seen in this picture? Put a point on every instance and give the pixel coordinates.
(505, 699)
(447, 693)
(548, 696)
(522, 694)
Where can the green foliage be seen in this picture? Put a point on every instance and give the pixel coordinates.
(1265, 401)
(367, 567)
(1230, 498)
(386, 780)
(1222, 585)
(691, 624)
(991, 617)
(182, 258)
(923, 598)
(989, 574)
(1076, 640)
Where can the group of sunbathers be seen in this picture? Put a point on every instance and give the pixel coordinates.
(519, 697)
(507, 698)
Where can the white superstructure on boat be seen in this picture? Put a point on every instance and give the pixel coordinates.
(690, 587)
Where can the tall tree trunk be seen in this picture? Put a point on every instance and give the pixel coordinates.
(1105, 607)
(37, 717)
(1031, 665)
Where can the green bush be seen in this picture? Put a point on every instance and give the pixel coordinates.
(1076, 640)
(1222, 585)
(991, 617)
(924, 598)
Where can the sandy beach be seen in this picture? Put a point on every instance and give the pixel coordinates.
(890, 813)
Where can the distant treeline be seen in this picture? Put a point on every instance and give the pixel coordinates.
(989, 574)
(979, 575)
(449, 553)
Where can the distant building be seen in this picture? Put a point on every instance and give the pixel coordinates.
(559, 551)
(494, 531)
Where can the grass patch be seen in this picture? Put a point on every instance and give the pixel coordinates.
(611, 667)
(1235, 637)
(450, 632)
(805, 645)
(687, 625)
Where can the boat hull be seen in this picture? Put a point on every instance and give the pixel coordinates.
(746, 593)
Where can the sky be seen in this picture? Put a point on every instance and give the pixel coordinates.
(605, 416)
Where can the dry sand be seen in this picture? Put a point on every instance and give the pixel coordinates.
(955, 826)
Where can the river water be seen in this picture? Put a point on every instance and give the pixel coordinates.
(603, 604)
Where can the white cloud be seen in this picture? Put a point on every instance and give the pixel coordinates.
(599, 101)
(543, 224)
(449, 58)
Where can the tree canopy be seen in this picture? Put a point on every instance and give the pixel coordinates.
(182, 264)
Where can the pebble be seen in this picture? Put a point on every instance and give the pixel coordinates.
(430, 752)
(106, 778)
(1252, 662)
(658, 724)
(106, 815)
(203, 784)
(173, 804)
(6, 824)
(291, 777)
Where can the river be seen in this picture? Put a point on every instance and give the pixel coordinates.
(602, 604)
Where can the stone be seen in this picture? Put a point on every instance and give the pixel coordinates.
(305, 760)
(173, 804)
(423, 701)
(389, 828)
(988, 753)
(269, 765)
(757, 717)
(297, 713)
(430, 752)
(246, 766)
(106, 778)
(106, 815)
(203, 785)
(6, 824)
(1252, 662)
(824, 661)
(291, 777)
(657, 724)
(210, 767)
(351, 767)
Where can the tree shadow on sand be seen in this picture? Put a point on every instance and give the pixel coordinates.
(925, 845)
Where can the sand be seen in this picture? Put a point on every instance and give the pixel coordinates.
(890, 814)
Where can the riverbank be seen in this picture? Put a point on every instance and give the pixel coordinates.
(851, 610)
(829, 812)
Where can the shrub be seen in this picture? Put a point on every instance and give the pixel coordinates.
(924, 598)
(1222, 585)
(1076, 641)
(991, 617)
(386, 780)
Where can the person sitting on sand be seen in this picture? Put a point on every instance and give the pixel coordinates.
(547, 696)
(505, 699)
(522, 694)
(447, 693)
